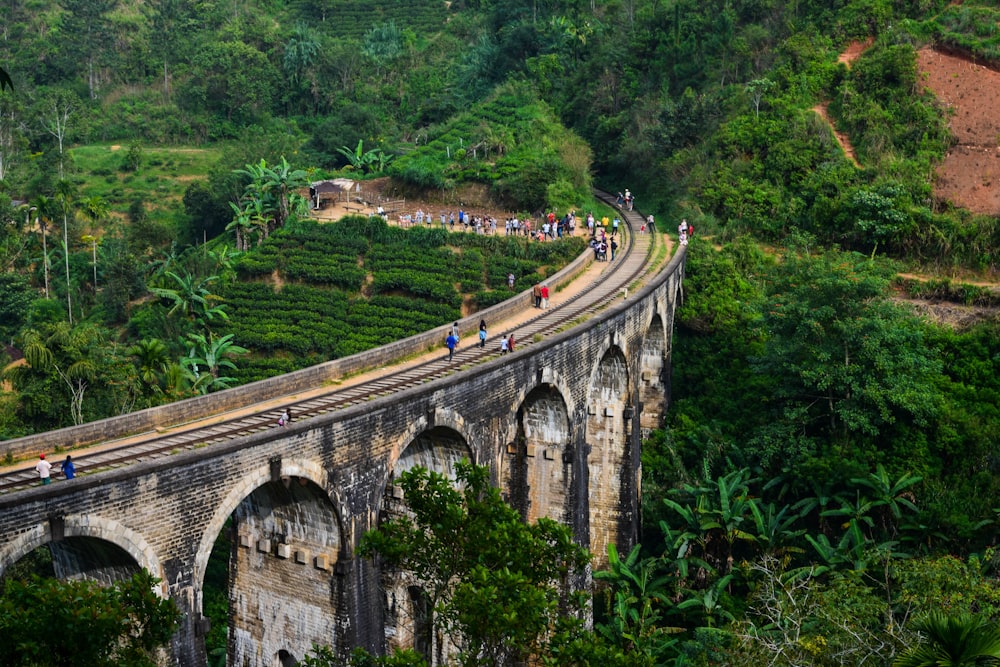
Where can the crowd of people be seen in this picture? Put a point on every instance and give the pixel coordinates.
(549, 228)
(603, 235)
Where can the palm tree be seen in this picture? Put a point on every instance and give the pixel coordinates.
(300, 51)
(43, 210)
(152, 356)
(960, 640)
(65, 193)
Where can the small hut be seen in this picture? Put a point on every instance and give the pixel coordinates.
(337, 189)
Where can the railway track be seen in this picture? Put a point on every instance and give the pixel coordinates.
(632, 262)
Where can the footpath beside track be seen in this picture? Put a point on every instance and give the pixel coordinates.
(588, 294)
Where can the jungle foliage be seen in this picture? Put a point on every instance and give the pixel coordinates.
(82, 623)
(809, 484)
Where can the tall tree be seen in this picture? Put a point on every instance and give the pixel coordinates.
(851, 363)
(54, 112)
(493, 583)
(84, 624)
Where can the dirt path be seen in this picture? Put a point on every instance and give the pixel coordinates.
(848, 56)
(842, 139)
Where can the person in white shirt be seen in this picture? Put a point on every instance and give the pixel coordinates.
(44, 469)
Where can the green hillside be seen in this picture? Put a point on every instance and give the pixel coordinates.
(828, 463)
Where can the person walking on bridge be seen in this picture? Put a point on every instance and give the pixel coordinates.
(452, 342)
(44, 469)
(67, 468)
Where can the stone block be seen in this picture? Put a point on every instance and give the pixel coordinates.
(284, 550)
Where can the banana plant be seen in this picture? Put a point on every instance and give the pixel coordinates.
(640, 598)
(371, 161)
(774, 531)
(715, 519)
(706, 602)
(892, 497)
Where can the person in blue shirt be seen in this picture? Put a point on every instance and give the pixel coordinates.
(451, 341)
(68, 468)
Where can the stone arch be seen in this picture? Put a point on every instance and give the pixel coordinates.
(409, 616)
(608, 422)
(652, 385)
(438, 445)
(286, 539)
(508, 426)
(81, 542)
(537, 470)
(253, 479)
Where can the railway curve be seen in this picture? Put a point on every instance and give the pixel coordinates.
(634, 260)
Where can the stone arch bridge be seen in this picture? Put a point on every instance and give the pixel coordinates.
(559, 424)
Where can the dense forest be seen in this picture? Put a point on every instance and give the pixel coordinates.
(826, 474)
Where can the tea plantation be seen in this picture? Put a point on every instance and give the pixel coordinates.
(323, 291)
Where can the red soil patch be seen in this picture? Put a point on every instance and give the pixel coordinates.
(854, 51)
(969, 177)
